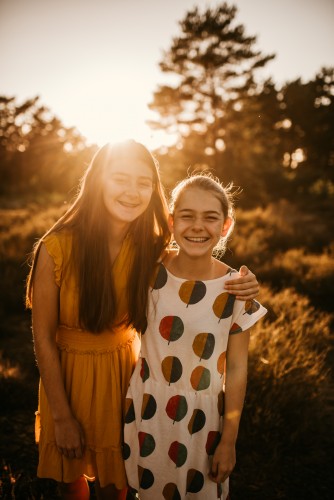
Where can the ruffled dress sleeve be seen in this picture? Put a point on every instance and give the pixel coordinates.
(246, 314)
(53, 247)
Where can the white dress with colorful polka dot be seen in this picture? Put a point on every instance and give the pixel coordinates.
(174, 404)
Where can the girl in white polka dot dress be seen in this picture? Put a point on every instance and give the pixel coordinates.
(186, 394)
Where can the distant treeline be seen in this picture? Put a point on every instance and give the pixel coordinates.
(273, 142)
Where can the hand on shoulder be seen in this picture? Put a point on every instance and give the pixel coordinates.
(245, 286)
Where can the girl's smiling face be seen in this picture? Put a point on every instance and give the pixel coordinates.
(127, 189)
(198, 222)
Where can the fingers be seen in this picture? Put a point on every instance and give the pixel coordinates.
(242, 281)
(234, 286)
(220, 476)
(223, 462)
(243, 271)
(69, 438)
(71, 452)
(247, 296)
(243, 290)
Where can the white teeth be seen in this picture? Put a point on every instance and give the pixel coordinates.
(197, 240)
(128, 205)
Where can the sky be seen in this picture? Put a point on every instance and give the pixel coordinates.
(94, 63)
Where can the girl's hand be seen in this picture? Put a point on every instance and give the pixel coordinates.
(69, 438)
(244, 288)
(223, 462)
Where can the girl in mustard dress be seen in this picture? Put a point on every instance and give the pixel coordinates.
(88, 292)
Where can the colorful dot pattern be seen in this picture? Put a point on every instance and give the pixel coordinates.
(175, 403)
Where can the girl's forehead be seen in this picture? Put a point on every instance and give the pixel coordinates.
(198, 199)
(130, 167)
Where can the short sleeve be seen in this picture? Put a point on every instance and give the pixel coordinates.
(246, 314)
(53, 247)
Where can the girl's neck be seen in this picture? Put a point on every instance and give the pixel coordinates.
(117, 231)
(203, 268)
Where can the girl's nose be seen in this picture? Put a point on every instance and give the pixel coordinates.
(132, 189)
(197, 225)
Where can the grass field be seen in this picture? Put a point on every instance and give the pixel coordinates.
(286, 439)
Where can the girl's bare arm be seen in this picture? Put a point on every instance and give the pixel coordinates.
(224, 457)
(68, 434)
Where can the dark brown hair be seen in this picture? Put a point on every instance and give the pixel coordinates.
(86, 219)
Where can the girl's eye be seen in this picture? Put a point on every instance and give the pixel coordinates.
(212, 218)
(145, 184)
(186, 217)
(119, 180)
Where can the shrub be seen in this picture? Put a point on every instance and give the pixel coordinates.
(287, 432)
(20, 229)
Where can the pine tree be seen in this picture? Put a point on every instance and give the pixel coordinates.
(213, 62)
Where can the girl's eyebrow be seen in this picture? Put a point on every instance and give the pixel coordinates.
(206, 212)
(122, 174)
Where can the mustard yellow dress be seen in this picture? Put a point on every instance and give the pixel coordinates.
(96, 371)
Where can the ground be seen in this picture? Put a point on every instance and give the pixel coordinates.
(260, 473)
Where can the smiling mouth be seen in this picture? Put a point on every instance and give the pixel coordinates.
(196, 240)
(128, 205)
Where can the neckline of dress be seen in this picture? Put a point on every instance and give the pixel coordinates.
(227, 275)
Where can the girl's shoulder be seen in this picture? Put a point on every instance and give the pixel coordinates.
(63, 236)
(221, 270)
(167, 254)
(59, 242)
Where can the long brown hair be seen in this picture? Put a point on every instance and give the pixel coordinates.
(86, 219)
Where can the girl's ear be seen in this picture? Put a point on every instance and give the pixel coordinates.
(170, 223)
(228, 223)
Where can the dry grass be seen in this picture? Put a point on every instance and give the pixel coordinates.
(286, 436)
(20, 228)
(287, 248)
(262, 232)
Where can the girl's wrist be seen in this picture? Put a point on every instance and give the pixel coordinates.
(62, 417)
(230, 442)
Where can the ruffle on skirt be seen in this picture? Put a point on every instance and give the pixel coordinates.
(96, 372)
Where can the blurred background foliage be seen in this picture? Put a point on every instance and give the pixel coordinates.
(277, 144)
